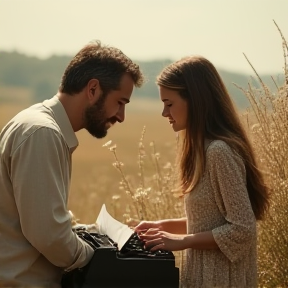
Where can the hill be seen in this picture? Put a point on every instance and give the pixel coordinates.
(40, 78)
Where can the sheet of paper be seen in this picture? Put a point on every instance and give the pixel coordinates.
(114, 229)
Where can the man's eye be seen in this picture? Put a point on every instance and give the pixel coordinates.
(169, 105)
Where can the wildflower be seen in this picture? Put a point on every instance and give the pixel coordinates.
(117, 164)
(167, 166)
(107, 143)
(157, 155)
(113, 148)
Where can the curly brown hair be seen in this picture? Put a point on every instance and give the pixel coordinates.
(102, 62)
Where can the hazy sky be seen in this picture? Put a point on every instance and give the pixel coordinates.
(220, 30)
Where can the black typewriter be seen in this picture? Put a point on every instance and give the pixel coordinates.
(132, 266)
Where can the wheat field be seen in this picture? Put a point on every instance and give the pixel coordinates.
(135, 178)
(94, 179)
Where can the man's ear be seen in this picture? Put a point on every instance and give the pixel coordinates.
(93, 91)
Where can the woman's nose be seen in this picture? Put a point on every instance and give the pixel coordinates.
(165, 113)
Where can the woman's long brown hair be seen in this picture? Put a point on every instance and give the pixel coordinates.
(211, 115)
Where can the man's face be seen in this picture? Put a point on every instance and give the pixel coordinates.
(109, 109)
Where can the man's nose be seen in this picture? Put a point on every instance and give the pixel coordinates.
(121, 115)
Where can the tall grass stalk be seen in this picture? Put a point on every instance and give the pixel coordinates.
(150, 194)
(268, 128)
(151, 198)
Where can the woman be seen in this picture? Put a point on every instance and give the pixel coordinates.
(224, 192)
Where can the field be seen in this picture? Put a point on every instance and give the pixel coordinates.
(148, 166)
(94, 179)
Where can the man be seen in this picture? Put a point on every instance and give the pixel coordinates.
(36, 240)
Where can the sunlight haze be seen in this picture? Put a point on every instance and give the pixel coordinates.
(220, 30)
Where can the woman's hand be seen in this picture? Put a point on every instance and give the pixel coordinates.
(143, 226)
(156, 239)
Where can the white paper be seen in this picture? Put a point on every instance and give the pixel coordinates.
(114, 229)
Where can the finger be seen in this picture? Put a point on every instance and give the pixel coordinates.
(152, 231)
(140, 227)
(141, 231)
(148, 233)
(143, 226)
(147, 237)
(152, 242)
(160, 246)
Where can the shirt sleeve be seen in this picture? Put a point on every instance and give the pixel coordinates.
(228, 179)
(40, 175)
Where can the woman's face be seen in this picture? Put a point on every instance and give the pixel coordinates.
(175, 108)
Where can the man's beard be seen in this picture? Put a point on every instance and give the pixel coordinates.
(96, 121)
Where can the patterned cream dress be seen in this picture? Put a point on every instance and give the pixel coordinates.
(220, 203)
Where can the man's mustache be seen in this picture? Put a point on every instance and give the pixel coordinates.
(113, 120)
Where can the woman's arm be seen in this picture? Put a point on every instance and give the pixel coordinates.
(202, 240)
(228, 180)
(175, 226)
(155, 239)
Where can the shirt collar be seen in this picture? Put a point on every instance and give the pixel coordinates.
(62, 120)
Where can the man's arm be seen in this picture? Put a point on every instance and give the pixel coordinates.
(40, 174)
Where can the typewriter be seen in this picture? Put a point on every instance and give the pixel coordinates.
(131, 266)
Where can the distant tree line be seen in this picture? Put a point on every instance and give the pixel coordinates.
(43, 76)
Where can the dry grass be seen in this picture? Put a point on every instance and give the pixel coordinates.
(269, 132)
(267, 124)
(142, 187)
(94, 180)
(18, 95)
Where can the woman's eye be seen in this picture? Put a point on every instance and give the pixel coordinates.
(169, 105)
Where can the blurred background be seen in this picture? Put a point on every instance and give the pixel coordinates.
(39, 38)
